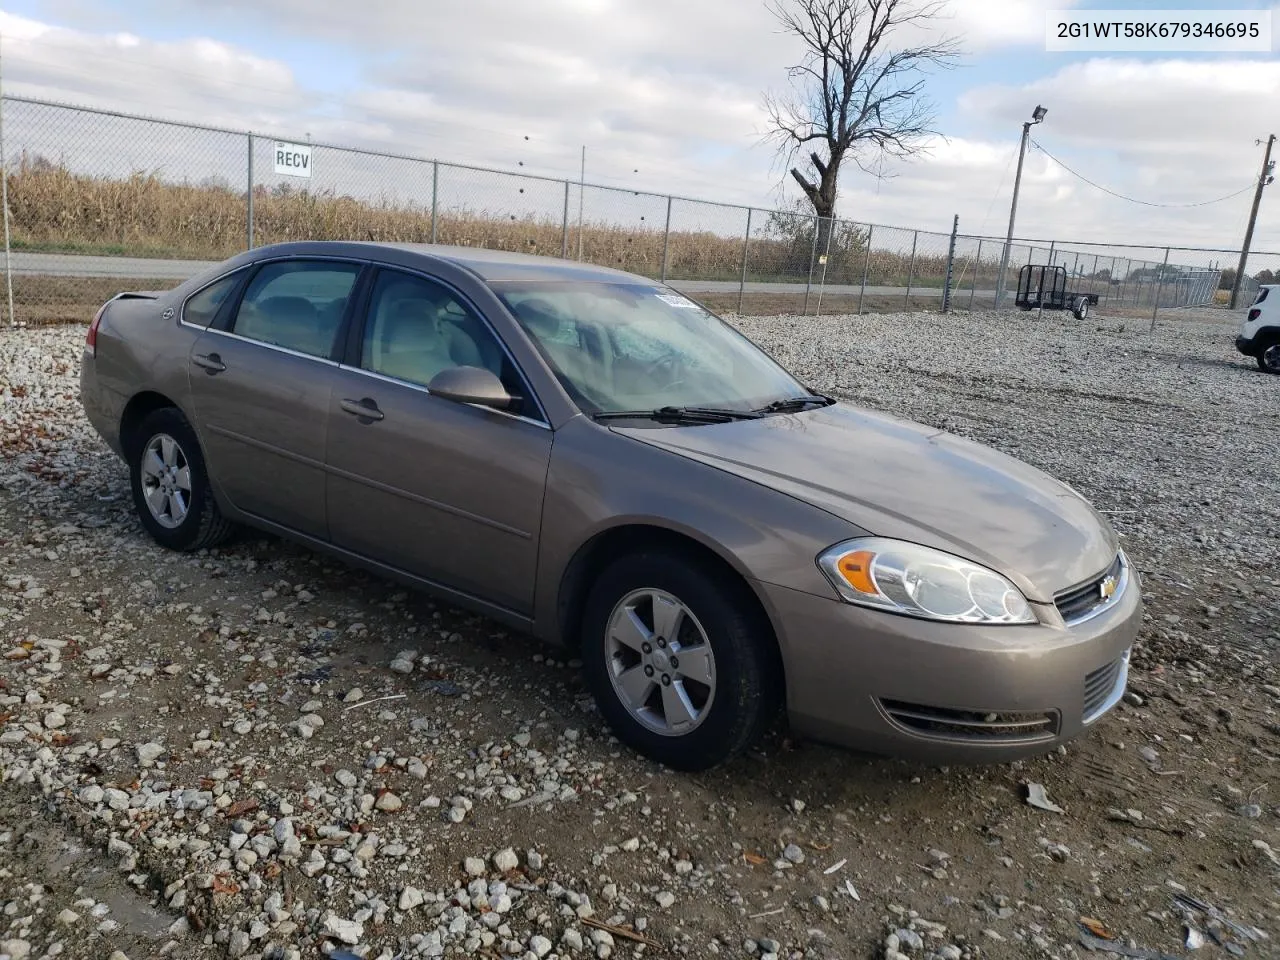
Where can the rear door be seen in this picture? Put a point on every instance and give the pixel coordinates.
(450, 492)
(261, 376)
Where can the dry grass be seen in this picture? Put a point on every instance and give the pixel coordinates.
(56, 210)
(41, 301)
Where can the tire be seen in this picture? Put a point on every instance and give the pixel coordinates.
(164, 455)
(719, 618)
(1082, 309)
(1269, 357)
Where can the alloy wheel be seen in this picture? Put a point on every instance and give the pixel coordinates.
(660, 662)
(166, 480)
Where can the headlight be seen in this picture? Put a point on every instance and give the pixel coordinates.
(922, 582)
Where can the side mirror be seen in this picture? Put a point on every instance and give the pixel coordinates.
(470, 385)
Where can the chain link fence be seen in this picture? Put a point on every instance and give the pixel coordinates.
(99, 202)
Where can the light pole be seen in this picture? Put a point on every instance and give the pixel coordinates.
(1036, 116)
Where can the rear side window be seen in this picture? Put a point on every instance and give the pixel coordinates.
(203, 307)
(297, 304)
(1262, 295)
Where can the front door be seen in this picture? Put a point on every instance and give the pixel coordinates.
(446, 491)
(261, 389)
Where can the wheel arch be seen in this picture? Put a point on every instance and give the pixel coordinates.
(595, 554)
(140, 405)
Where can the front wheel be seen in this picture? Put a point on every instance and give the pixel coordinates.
(681, 664)
(1269, 358)
(171, 491)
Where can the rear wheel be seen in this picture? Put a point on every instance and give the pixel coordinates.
(171, 491)
(681, 665)
(1082, 308)
(1269, 358)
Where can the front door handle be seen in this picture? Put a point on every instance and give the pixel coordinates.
(211, 362)
(366, 409)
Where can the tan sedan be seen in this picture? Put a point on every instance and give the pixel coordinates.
(593, 458)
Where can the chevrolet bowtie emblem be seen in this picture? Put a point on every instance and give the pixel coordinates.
(1108, 587)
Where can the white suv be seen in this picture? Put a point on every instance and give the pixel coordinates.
(1260, 333)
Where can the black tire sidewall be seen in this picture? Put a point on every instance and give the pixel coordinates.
(745, 695)
(170, 420)
(1262, 358)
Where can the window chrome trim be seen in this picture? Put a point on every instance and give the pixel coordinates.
(478, 313)
(421, 389)
(182, 310)
(1104, 606)
(270, 346)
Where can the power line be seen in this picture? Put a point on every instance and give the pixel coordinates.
(1145, 203)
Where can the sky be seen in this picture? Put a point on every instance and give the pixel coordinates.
(667, 96)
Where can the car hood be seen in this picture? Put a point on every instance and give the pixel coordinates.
(894, 478)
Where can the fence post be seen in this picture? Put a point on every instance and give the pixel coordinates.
(911, 269)
(866, 267)
(1111, 275)
(435, 196)
(813, 256)
(249, 196)
(822, 283)
(1040, 312)
(746, 244)
(4, 200)
(977, 265)
(1124, 284)
(951, 259)
(564, 231)
(666, 240)
(1159, 286)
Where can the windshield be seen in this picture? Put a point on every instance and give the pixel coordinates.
(620, 346)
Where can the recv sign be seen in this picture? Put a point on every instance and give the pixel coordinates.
(293, 159)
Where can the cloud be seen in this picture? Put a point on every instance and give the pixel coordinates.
(1175, 131)
(666, 96)
(213, 82)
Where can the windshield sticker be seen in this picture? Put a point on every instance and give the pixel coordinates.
(675, 300)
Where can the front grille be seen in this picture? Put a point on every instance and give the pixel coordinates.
(1098, 686)
(1080, 602)
(947, 724)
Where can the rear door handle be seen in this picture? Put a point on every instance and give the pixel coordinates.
(211, 362)
(366, 409)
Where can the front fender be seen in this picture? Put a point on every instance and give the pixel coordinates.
(600, 480)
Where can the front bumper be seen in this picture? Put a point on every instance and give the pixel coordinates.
(948, 693)
(1247, 345)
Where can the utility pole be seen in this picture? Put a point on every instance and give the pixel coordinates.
(1036, 117)
(1264, 178)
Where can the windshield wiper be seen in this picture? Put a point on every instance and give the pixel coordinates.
(793, 404)
(680, 415)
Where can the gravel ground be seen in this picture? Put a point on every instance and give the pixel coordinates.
(260, 752)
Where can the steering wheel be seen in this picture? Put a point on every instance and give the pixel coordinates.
(672, 362)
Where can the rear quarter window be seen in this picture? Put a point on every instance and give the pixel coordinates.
(203, 306)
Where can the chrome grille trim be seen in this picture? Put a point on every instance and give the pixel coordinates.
(1085, 602)
(1104, 687)
(944, 723)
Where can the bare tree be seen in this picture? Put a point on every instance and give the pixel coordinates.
(857, 93)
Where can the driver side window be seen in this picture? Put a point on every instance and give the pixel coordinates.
(416, 328)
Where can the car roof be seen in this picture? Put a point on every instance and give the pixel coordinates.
(488, 265)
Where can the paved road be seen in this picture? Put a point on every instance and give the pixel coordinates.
(84, 265)
(81, 265)
(142, 268)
